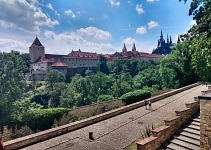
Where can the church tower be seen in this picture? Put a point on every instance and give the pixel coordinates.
(36, 50)
(124, 50)
(134, 48)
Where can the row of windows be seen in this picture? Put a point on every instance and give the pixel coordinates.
(81, 60)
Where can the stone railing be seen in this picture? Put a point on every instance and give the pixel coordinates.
(161, 134)
(44, 135)
(205, 121)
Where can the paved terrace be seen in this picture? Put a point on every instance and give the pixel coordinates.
(118, 132)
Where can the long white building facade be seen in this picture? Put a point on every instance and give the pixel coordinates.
(75, 61)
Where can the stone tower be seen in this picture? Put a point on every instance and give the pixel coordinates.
(36, 50)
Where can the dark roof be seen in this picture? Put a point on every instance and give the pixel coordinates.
(37, 42)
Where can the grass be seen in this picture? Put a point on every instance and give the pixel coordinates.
(133, 145)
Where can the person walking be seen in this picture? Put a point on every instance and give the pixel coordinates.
(1, 143)
(150, 105)
(145, 103)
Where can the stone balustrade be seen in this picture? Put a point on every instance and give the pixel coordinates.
(161, 134)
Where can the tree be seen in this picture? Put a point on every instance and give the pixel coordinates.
(102, 65)
(53, 77)
(200, 37)
(200, 9)
(12, 81)
(147, 77)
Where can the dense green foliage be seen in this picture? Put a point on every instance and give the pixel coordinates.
(42, 119)
(135, 96)
(199, 37)
(12, 81)
(102, 98)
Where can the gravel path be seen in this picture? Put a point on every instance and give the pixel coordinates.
(118, 132)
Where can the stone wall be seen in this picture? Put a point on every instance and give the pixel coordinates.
(90, 110)
(205, 122)
(161, 134)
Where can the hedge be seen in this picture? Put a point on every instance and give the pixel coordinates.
(135, 96)
(43, 119)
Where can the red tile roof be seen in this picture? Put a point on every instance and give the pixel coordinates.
(142, 54)
(44, 59)
(59, 63)
(79, 54)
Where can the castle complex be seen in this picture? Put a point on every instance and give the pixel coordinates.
(76, 61)
(164, 47)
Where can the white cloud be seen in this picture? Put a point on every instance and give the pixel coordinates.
(74, 40)
(93, 32)
(151, 1)
(192, 22)
(141, 30)
(50, 6)
(92, 19)
(70, 13)
(129, 41)
(24, 15)
(152, 24)
(13, 44)
(114, 2)
(139, 9)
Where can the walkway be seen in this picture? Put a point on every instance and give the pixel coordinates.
(118, 132)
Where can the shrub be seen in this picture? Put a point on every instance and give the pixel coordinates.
(102, 98)
(135, 96)
(42, 119)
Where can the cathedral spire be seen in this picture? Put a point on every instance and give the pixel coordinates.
(134, 47)
(178, 40)
(124, 50)
(170, 40)
(167, 38)
(161, 36)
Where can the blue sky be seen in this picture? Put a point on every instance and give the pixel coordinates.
(100, 26)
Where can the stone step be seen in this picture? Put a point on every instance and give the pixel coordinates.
(192, 127)
(187, 139)
(188, 134)
(196, 119)
(194, 123)
(185, 144)
(173, 146)
(197, 132)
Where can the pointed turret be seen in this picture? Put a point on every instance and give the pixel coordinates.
(134, 48)
(36, 42)
(170, 40)
(124, 50)
(161, 37)
(167, 38)
(178, 40)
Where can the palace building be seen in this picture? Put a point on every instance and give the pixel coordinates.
(75, 61)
